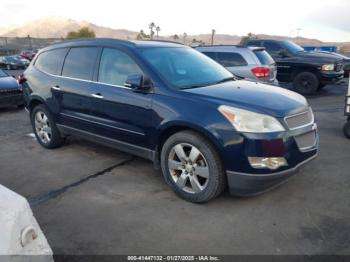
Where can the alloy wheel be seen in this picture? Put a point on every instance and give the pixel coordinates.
(42, 127)
(188, 168)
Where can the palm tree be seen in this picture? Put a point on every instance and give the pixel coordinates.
(184, 37)
(157, 30)
(212, 36)
(151, 26)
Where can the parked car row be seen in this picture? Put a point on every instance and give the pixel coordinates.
(10, 91)
(20, 61)
(247, 62)
(258, 59)
(13, 62)
(169, 103)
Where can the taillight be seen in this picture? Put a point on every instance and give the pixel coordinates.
(21, 79)
(261, 72)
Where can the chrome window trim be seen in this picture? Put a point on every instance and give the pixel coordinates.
(84, 80)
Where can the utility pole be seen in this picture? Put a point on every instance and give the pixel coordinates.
(6, 47)
(30, 42)
(212, 36)
(298, 32)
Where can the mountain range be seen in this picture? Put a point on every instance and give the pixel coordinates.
(58, 27)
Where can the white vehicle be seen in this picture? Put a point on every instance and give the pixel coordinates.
(21, 237)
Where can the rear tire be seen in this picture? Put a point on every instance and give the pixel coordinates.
(346, 129)
(44, 127)
(306, 83)
(192, 167)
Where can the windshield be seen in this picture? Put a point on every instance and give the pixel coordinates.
(3, 74)
(11, 59)
(292, 47)
(185, 67)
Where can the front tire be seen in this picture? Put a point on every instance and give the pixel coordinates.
(192, 167)
(346, 129)
(306, 83)
(45, 129)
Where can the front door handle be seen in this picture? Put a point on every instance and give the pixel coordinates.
(56, 88)
(97, 95)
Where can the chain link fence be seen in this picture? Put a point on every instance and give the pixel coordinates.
(14, 45)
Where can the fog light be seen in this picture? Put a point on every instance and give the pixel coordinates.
(267, 162)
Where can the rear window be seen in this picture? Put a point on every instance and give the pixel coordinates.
(51, 61)
(231, 59)
(212, 55)
(80, 63)
(264, 57)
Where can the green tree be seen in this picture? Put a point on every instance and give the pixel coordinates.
(83, 32)
(176, 37)
(142, 36)
(248, 37)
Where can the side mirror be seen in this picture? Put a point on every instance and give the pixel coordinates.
(283, 53)
(138, 82)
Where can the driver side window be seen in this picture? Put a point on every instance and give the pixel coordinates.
(116, 66)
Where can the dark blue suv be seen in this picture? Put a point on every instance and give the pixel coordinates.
(173, 105)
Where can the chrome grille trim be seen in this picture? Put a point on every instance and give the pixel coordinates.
(305, 119)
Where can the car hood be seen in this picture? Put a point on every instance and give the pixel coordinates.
(8, 83)
(320, 57)
(252, 96)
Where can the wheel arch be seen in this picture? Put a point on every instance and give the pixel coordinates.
(34, 101)
(307, 69)
(174, 127)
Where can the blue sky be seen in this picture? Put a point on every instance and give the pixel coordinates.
(323, 19)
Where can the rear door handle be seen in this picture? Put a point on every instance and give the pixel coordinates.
(97, 95)
(56, 88)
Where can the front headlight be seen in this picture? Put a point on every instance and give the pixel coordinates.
(251, 122)
(329, 67)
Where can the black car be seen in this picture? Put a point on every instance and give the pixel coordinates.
(308, 71)
(171, 104)
(12, 62)
(10, 91)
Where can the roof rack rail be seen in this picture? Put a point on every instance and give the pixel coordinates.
(94, 39)
(222, 45)
(164, 41)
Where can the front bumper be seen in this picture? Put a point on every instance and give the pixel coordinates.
(243, 184)
(244, 179)
(11, 100)
(331, 77)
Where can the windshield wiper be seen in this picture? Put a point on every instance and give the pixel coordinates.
(232, 78)
(193, 86)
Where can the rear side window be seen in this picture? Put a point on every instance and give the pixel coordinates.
(272, 47)
(254, 43)
(51, 61)
(212, 55)
(80, 62)
(264, 57)
(116, 66)
(231, 59)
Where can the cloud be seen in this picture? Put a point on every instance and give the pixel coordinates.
(335, 15)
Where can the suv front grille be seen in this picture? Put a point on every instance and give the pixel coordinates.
(300, 120)
(306, 141)
(339, 67)
(6, 92)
